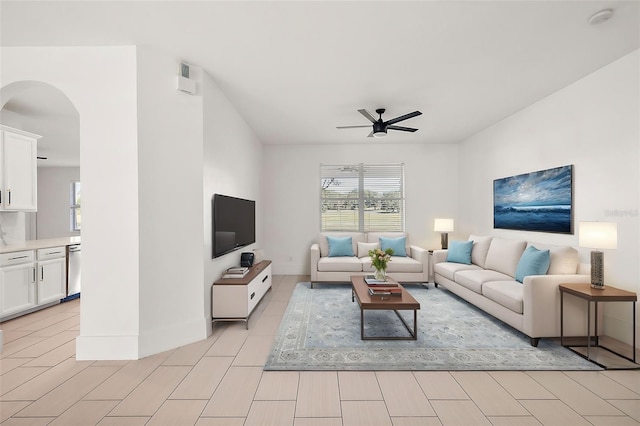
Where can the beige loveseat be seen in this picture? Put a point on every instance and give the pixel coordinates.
(413, 268)
(531, 306)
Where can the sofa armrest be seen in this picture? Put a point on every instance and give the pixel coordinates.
(439, 256)
(420, 254)
(541, 299)
(315, 258)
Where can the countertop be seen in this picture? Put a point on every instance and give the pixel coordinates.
(39, 244)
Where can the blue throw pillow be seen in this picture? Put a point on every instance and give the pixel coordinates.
(460, 252)
(533, 262)
(340, 246)
(398, 245)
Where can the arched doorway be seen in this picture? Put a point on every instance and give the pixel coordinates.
(43, 109)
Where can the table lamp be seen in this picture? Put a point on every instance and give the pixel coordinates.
(443, 226)
(599, 236)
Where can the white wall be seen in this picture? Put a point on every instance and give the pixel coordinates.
(101, 83)
(291, 188)
(54, 200)
(592, 124)
(233, 161)
(170, 182)
(149, 156)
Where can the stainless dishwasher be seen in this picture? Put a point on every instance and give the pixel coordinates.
(73, 271)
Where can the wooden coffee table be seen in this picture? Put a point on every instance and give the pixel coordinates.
(405, 302)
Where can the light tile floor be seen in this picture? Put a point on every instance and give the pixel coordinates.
(220, 381)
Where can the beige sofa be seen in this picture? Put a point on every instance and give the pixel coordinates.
(413, 268)
(533, 306)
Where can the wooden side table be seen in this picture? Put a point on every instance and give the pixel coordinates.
(607, 294)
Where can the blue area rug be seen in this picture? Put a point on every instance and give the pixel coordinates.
(320, 330)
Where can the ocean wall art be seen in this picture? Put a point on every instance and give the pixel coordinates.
(538, 201)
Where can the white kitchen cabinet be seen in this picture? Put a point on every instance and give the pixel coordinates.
(18, 170)
(17, 282)
(51, 275)
(31, 280)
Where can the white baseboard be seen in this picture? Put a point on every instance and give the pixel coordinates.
(134, 347)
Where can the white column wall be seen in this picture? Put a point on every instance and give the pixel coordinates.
(101, 84)
(233, 162)
(291, 188)
(594, 125)
(170, 181)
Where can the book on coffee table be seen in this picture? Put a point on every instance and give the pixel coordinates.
(372, 281)
(385, 291)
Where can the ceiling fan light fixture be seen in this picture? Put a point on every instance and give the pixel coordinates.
(380, 126)
(379, 129)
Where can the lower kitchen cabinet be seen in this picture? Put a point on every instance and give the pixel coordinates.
(29, 282)
(17, 282)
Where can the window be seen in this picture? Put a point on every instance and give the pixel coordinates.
(76, 215)
(362, 197)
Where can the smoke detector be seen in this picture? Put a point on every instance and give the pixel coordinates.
(601, 16)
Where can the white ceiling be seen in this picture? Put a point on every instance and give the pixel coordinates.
(296, 70)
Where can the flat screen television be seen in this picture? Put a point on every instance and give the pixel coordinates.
(234, 223)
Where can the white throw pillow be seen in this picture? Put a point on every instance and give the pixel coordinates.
(363, 248)
(504, 255)
(564, 259)
(480, 249)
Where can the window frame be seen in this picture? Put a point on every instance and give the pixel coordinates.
(75, 206)
(360, 201)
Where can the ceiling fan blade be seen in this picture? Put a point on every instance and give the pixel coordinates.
(370, 134)
(367, 114)
(404, 117)
(404, 129)
(352, 127)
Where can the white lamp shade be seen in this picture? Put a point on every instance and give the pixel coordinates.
(598, 235)
(443, 225)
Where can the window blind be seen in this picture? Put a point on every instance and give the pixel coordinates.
(362, 197)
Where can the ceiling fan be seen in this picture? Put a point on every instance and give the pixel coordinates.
(380, 127)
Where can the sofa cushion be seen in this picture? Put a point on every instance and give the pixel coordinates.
(480, 249)
(564, 259)
(339, 264)
(532, 262)
(449, 269)
(340, 246)
(398, 245)
(504, 254)
(460, 252)
(474, 279)
(506, 293)
(374, 237)
(397, 264)
(324, 244)
(363, 248)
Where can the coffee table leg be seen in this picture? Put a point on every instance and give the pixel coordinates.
(414, 333)
(361, 324)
